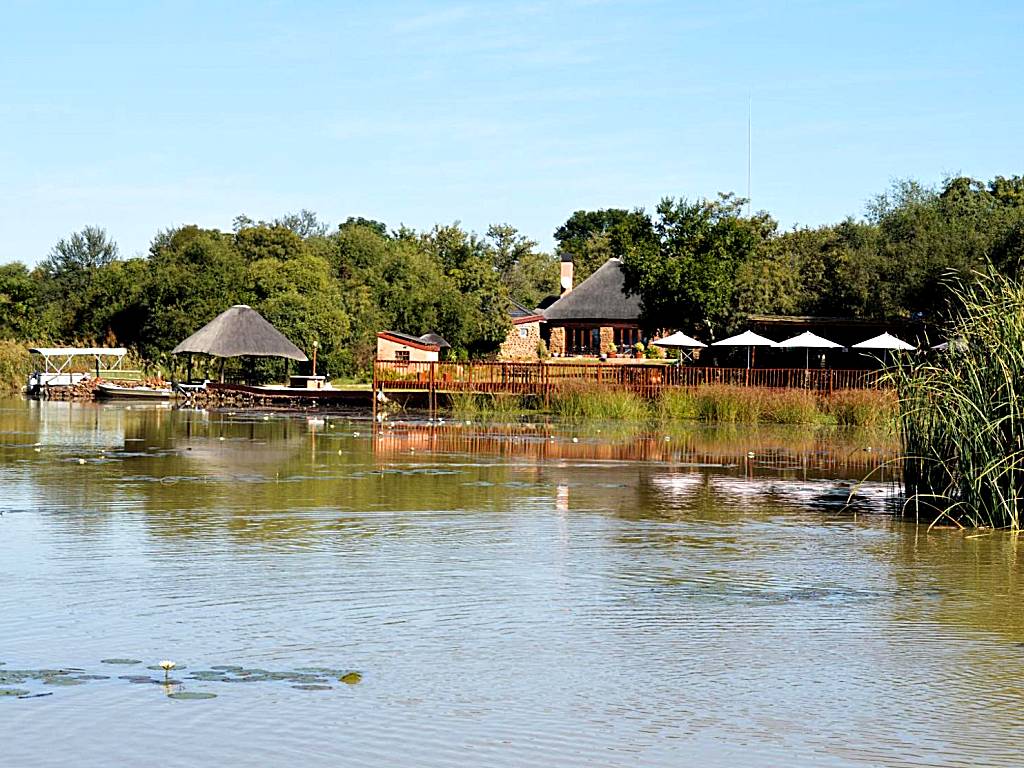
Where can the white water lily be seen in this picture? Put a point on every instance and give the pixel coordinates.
(167, 666)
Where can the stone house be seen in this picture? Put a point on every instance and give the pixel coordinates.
(524, 336)
(595, 315)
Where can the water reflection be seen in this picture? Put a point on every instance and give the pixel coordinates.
(510, 595)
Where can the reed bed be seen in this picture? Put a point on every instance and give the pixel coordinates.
(862, 408)
(486, 406)
(583, 403)
(961, 414)
(714, 404)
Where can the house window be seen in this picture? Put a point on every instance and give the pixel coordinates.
(402, 355)
(523, 332)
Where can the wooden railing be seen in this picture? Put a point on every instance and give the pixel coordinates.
(643, 379)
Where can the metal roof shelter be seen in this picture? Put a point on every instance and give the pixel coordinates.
(435, 338)
(52, 356)
(57, 359)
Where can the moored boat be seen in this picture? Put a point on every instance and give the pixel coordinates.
(114, 391)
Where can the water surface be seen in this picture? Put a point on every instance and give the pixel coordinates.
(510, 596)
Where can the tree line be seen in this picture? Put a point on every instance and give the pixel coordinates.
(701, 266)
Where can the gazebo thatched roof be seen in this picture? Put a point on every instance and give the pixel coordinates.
(240, 331)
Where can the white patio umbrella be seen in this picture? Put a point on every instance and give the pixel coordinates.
(808, 341)
(678, 339)
(746, 339)
(885, 341)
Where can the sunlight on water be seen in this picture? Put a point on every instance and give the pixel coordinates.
(443, 595)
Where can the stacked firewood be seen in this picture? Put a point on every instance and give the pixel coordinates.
(83, 390)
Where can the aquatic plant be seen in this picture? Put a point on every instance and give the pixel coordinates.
(793, 406)
(862, 407)
(485, 405)
(961, 413)
(576, 402)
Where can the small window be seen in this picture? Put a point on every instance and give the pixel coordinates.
(402, 355)
(523, 332)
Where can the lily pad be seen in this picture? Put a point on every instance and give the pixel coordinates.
(191, 695)
(208, 676)
(228, 668)
(36, 695)
(12, 692)
(125, 662)
(158, 668)
(312, 687)
(351, 678)
(93, 677)
(62, 681)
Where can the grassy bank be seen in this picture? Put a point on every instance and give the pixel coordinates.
(719, 404)
(962, 415)
(15, 366)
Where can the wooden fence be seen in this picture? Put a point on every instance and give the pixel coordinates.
(644, 379)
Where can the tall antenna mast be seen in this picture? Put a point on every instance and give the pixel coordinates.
(749, 153)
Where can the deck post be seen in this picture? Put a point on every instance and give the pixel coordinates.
(373, 394)
(432, 399)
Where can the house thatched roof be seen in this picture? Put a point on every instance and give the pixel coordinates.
(600, 297)
(240, 331)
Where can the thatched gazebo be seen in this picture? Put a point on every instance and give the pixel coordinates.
(240, 331)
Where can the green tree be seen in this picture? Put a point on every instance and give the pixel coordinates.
(19, 303)
(527, 274)
(586, 239)
(82, 251)
(683, 263)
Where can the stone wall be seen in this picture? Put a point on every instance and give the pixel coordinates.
(557, 343)
(607, 338)
(521, 342)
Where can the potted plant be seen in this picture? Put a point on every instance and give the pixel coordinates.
(638, 350)
(609, 349)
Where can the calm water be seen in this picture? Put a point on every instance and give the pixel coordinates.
(508, 598)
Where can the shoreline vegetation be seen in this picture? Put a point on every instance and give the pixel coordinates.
(717, 404)
(961, 415)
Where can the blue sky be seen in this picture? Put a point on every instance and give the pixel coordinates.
(137, 116)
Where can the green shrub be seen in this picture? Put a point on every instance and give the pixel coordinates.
(15, 366)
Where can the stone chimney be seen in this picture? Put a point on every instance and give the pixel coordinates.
(565, 278)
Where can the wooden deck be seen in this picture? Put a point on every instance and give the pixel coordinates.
(645, 379)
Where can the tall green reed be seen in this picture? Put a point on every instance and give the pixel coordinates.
(961, 413)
